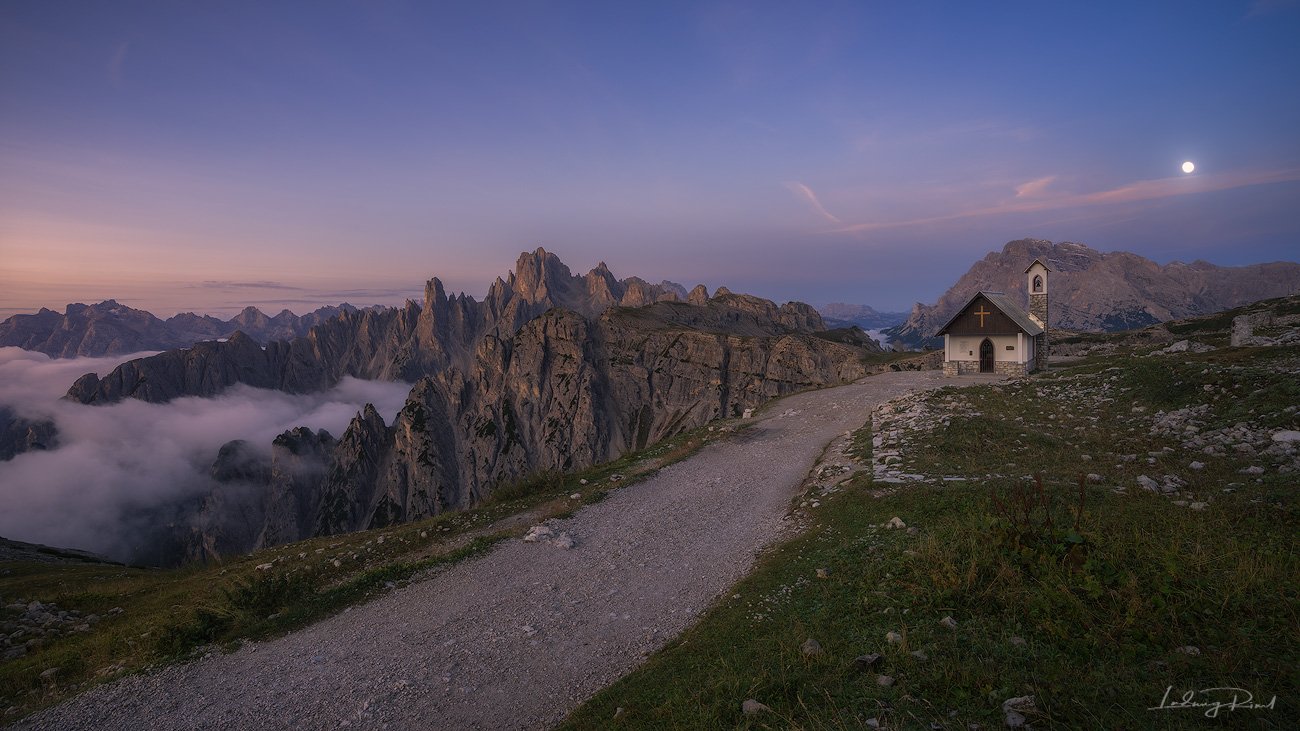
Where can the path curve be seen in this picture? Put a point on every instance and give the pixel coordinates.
(521, 636)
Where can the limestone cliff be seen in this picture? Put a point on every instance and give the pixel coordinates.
(563, 393)
(1095, 291)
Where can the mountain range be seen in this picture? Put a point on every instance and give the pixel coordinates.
(1093, 291)
(564, 393)
(110, 328)
(550, 372)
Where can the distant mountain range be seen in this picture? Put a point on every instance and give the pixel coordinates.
(838, 314)
(110, 328)
(1094, 291)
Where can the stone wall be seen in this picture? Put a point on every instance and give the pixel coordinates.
(1003, 368)
(972, 367)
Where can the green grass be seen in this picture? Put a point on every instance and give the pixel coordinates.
(170, 614)
(1100, 641)
(1102, 612)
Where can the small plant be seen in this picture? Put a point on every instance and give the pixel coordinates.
(267, 594)
(182, 638)
(1029, 528)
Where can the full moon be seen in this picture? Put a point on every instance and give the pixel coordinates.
(1188, 166)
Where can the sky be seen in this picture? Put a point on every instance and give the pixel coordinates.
(206, 156)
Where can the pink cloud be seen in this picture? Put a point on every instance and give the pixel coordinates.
(1033, 196)
(1034, 188)
(806, 194)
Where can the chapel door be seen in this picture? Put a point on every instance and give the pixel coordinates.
(986, 356)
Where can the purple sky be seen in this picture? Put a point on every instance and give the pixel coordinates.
(205, 156)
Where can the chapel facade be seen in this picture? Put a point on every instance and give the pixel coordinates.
(993, 334)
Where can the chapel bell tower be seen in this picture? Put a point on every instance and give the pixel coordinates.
(1036, 285)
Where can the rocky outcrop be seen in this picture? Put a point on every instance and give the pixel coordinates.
(564, 393)
(299, 461)
(388, 344)
(1095, 291)
(110, 328)
(18, 435)
(230, 517)
(257, 499)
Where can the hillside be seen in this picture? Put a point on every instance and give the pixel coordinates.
(905, 595)
(1092, 291)
(936, 584)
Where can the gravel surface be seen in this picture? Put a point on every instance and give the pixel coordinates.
(519, 637)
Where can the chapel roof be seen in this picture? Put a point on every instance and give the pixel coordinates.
(1008, 308)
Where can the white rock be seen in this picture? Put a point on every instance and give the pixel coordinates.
(576, 496)
(1189, 650)
(1015, 710)
(1198, 506)
(264, 566)
(948, 622)
(564, 540)
(1287, 436)
(895, 522)
(538, 533)
(1197, 465)
(811, 647)
(752, 707)
(884, 681)
(893, 638)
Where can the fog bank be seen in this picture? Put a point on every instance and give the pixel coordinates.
(119, 470)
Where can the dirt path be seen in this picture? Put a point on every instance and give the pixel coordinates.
(521, 636)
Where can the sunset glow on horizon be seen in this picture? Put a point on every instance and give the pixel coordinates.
(190, 157)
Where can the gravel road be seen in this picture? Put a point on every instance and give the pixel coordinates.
(519, 637)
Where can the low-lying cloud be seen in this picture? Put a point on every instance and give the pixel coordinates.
(119, 469)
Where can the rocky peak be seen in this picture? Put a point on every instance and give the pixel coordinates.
(541, 276)
(603, 290)
(698, 296)
(237, 460)
(251, 316)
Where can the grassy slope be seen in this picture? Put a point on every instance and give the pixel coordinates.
(168, 615)
(1101, 623)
